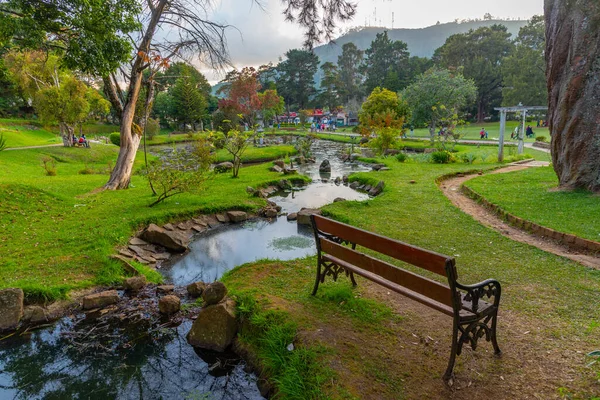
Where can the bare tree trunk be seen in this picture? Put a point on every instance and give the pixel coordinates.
(66, 132)
(572, 74)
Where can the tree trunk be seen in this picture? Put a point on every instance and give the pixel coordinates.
(480, 110)
(573, 78)
(66, 132)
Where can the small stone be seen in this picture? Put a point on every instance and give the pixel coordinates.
(250, 190)
(279, 163)
(376, 190)
(325, 166)
(222, 218)
(384, 169)
(35, 315)
(198, 228)
(214, 293)
(354, 185)
(237, 216)
(126, 253)
(161, 256)
(276, 168)
(169, 304)
(165, 288)
(173, 241)
(224, 166)
(270, 213)
(169, 227)
(292, 216)
(338, 199)
(11, 308)
(345, 178)
(412, 181)
(137, 242)
(135, 283)
(195, 289)
(101, 299)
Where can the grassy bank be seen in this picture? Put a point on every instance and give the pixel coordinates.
(531, 194)
(56, 234)
(548, 321)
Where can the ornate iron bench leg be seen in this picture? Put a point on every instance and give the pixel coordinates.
(319, 277)
(449, 374)
(497, 350)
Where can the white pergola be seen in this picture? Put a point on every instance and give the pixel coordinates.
(503, 111)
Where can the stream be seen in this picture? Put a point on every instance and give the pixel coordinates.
(131, 354)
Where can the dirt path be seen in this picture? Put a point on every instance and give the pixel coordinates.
(451, 189)
(34, 147)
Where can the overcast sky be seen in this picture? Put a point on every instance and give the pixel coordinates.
(263, 36)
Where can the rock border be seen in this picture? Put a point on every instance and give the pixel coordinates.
(569, 240)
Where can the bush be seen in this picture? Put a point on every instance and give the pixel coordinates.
(401, 157)
(115, 138)
(541, 138)
(152, 128)
(468, 158)
(49, 165)
(441, 157)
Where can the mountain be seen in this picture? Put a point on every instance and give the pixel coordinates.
(421, 42)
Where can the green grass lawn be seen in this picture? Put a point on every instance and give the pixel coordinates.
(55, 235)
(471, 131)
(19, 133)
(531, 194)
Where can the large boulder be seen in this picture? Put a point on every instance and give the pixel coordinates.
(237, 216)
(377, 189)
(196, 289)
(99, 300)
(303, 217)
(214, 293)
(11, 308)
(325, 166)
(169, 304)
(171, 240)
(224, 166)
(215, 327)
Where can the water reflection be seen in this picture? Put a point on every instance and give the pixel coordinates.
(144, 361)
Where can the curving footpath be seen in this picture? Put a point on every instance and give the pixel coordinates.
(451, 188)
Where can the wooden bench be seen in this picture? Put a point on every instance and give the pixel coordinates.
(473, 317)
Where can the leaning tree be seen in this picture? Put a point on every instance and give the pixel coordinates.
(573, 78)
(126, 42)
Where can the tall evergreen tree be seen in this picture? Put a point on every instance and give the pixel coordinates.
(329, 96)
(386, 64)
(296, 83)
(349, 76)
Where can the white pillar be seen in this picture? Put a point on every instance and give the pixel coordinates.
(501, 138)
(521, 144)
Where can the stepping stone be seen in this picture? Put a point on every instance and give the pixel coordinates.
(137, 241)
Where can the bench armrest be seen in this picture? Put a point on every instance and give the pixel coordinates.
(488, 289)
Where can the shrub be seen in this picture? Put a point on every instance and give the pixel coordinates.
(86, 171)
(115, 138)
(541, 138)
(49, 165)
(401, 157)
(468, 158)
(441, 157)
(152, 128)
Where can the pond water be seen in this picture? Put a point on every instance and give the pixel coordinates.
(136, 355)
(217, 251)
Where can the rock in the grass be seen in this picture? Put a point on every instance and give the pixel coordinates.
(222, 218)
(215, 327)
(355, 185)
(171, 240)
(169, 304)
(276, 168)
(11, 308)
(338, 199)
(304, 215)
(290, 171)
(35, 315)
(237, 216)
(250, 190)
(284, 184)
(279, 163)
(135, 283)
(224, 166)
(325, 166)
(135, 241)
(292, 216)
(165, 288)
(99, 300)
(377, 167)
(214, 293)
(412, 181)
(377, 189)
(196, 289)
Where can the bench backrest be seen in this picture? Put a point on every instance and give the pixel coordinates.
(329, 232)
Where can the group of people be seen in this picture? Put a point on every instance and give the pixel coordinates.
(528, 132)
(322, 126)
(483, 134)
(81, 140)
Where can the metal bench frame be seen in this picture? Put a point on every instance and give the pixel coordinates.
(473, 318)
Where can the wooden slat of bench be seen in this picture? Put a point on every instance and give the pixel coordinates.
(409, 280)
(392, 286)
(422, 258)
